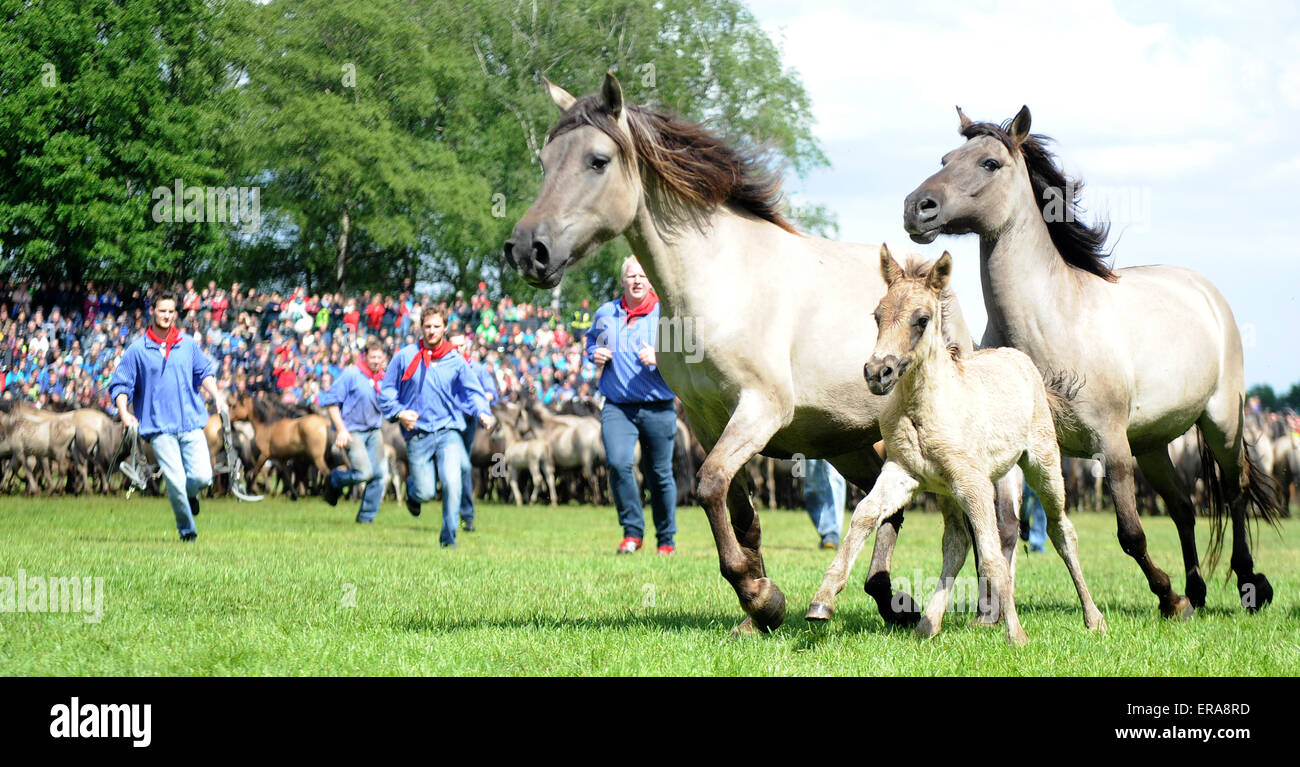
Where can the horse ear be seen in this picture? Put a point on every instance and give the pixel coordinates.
(889, 268)
(942, 271)
(1020, 126)
(612, 93)
(966, 122)
(562, 98)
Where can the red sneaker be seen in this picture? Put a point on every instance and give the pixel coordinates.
(667, 550)
(629, 545)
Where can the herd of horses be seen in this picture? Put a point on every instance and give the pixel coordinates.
(784, 323)
(1143, 367)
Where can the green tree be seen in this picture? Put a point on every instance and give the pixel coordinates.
(100, 104)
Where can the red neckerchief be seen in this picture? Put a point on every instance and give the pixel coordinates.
(424, 356)
(647, 306)
(368, 373)
(173, 338)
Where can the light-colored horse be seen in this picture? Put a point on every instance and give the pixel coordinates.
(1156, 346)
(953, 425)
(779, 322)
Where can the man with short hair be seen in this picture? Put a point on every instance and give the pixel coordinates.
(161, 375)
(353, 404)
(422, 390)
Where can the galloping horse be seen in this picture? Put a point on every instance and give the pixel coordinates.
(764, 304)
(1156, 346)
(283, 439)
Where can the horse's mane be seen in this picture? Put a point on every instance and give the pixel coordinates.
(919, 271)
(1080, 245)
(696, 166)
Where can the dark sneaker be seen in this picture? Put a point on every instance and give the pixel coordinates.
(365, 521)
(412, 507)
(448, 545)
(189, 537)
(830, 543)
(194, 506)
(331, 492)
(629, 545)
(467, 525)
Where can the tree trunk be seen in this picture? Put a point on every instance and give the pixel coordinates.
(345, 225)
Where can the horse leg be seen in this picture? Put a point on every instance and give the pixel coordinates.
(1242, 482)
(956, 542)
(1042, 467)
(977, 497)
(1118, 463)
(1159, 470)
(738, 538)
(1007, 499)
(892, 490)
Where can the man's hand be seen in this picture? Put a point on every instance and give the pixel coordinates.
(487, 420)
(601, 356)
(343, 439)
(220, 402)
(647, 355)
(130, 421)
(407, 419)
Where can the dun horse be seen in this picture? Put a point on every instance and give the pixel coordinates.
(759, 298)
(1156, 346)
(953, 425)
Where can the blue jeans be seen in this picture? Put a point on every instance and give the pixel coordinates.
(187, 469)
(824, 491)
(1033, 508)
(467, 470)
(366, 455)
(445, 448)
(655, 424)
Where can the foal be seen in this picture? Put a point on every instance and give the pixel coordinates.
(954, 425)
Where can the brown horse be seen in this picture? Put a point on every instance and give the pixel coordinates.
(282, 439)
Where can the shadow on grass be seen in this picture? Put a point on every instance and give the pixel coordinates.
(663, 621)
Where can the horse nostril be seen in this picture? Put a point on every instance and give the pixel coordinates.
(927, 204)
(541, 256)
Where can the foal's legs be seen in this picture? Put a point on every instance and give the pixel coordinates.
(976, 497)
(1118, 461)
(737, 535)
(894, 488)
(1159, 471)
(1043, 472)
(955, 543)
(1007, 498)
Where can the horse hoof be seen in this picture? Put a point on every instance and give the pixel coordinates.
(1256, 592)
(1017, 638)
(897, 609)
(1098, 625)
(1181, 609)
(818, 612)
(925, 629)
(768, 609)
(746, 628)
(1196, 592)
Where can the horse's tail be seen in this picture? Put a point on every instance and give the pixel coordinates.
(1062, 387)
(1262, 492)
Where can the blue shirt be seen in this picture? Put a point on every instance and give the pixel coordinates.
(435, 391)
(487, 381)
(624, 378)
(164, 393)
(357, 399)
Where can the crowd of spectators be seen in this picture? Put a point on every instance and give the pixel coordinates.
(60, 343)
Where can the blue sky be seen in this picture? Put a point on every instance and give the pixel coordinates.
(1182, 119)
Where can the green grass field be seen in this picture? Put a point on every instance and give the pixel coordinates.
(282, 588)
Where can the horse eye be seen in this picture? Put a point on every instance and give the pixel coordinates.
(598, 163)
(922, 322)
(990, 165)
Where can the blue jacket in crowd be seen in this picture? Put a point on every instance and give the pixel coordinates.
(357, 399)
(164, 393)
(435, 391)
(624, 379)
